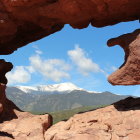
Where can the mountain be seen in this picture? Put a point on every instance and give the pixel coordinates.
(50, 89)
(57, 97)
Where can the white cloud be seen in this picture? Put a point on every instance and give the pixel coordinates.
(54, 69)
(113, 68)
(35, 47)
(18, 75)
(38, 52)
(84, 64)
(30, 69)
(51, 69)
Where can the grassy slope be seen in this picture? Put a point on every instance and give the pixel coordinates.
(66, 114)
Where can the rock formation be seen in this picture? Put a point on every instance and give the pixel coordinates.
(24, 21)
(18, 125)
(129, 72)
(119, 121)
(4, 68)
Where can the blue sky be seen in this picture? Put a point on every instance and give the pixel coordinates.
(72, 55)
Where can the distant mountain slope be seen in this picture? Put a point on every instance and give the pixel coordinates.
(45, 101)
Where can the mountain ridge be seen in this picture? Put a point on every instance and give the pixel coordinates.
(62, 88)
(44, 101)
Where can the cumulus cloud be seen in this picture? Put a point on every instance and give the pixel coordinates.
(51, 69)
(84, 64)
(18, 75)
(54, 69)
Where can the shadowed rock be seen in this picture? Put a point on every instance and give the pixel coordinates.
(129, 72)
(24, 21)
(4, 68)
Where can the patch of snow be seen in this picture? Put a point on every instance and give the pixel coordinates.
(63, 87)
(95, 92)
(27, 89)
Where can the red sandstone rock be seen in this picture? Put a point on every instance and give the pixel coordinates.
(24, 21)
(116, 122)
(19, 125)
(25, 127)
(4, 68)
(129, 72)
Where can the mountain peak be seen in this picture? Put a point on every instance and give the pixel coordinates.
(62, 87)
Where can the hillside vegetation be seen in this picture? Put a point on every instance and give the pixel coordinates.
(66, 114)
(46, 102)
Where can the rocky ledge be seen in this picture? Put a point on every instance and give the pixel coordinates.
(24, 21)
(119, 121)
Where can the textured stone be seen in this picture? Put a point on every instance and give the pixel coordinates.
(24, 21)
(4, 68)
(129, 72)
(26, 126)
(119, 121)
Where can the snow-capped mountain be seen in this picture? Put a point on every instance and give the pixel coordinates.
(63, 87)
(50, 98)
(57, 97)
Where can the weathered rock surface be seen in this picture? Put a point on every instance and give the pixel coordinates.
(129, 72)
(18, 125)
(116, 122)
(24, 21)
